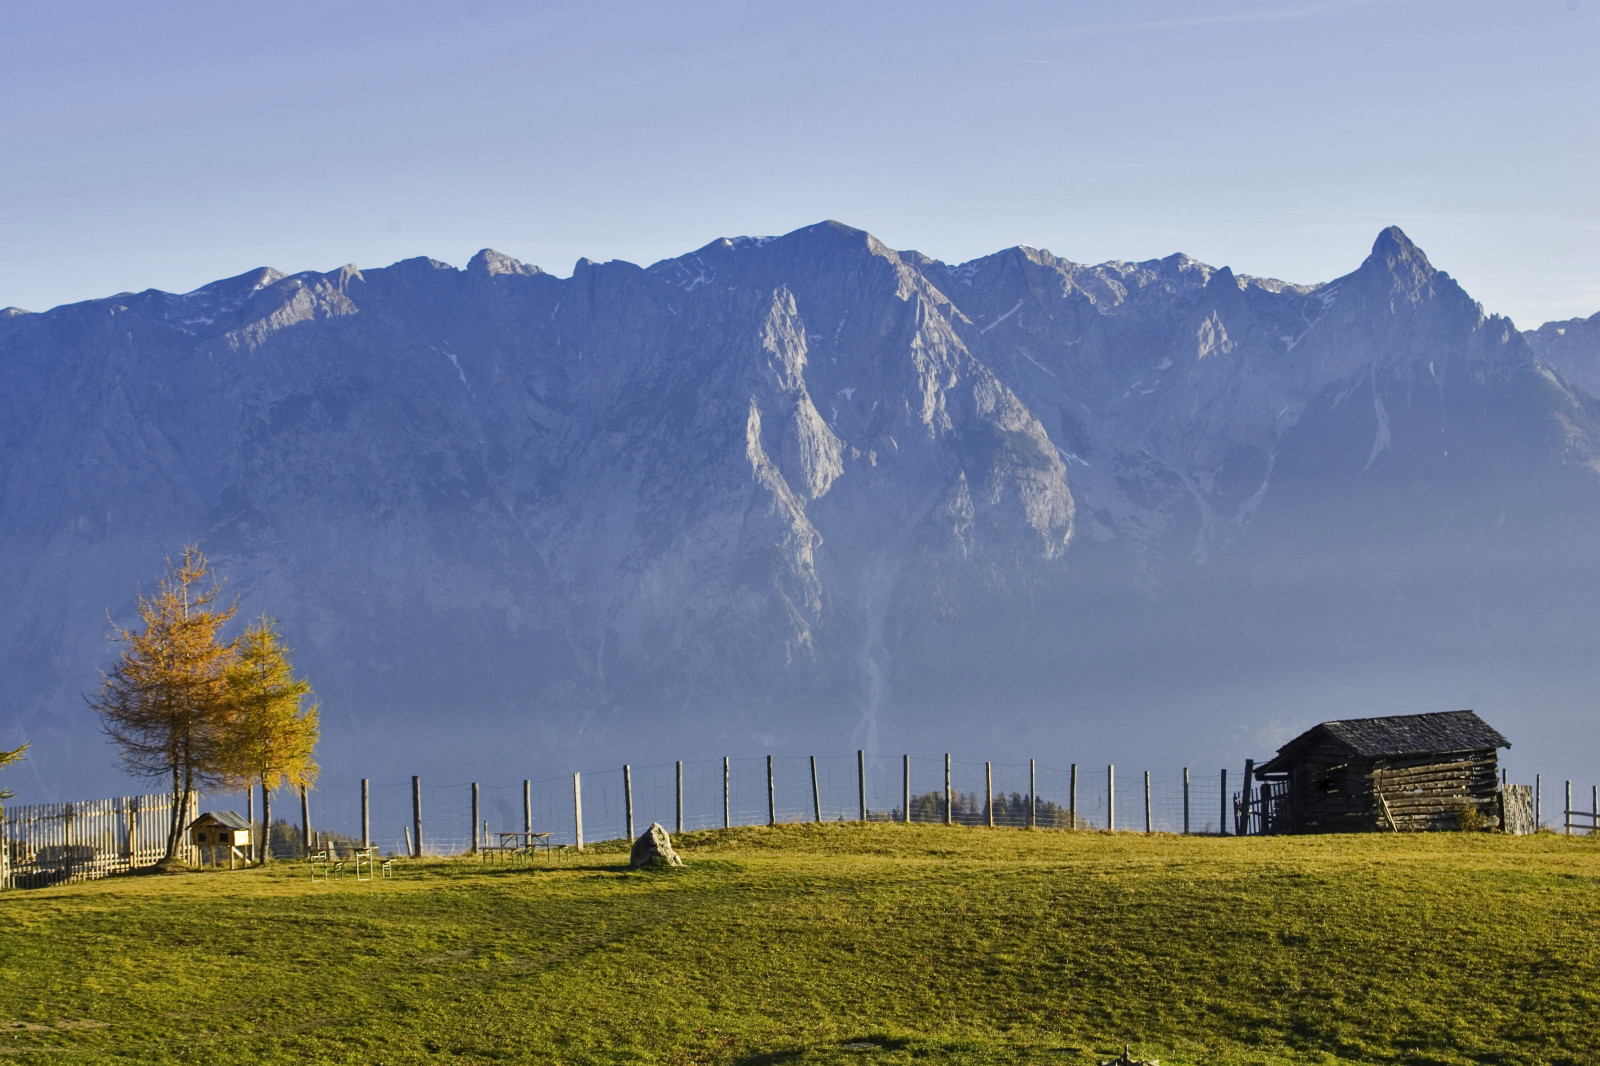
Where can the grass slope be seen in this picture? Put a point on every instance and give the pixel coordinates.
(787, 945)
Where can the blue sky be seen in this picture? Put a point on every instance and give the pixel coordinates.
(167, 144)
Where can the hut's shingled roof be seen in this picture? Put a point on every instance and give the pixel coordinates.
(1418, 734)
(1444, 732)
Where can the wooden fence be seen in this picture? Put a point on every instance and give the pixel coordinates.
(1589, 820)
(56, 843)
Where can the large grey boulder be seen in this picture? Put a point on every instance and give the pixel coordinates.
(653, 848)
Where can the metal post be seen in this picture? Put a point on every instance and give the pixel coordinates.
(725, 822)
(1566, 811)
(527, 811)
(1594, 808)
(305, 820)
(366, 814)
(474, 823)
(577, 810)
(1148, 828)
(772, 796)
(1111, 796)
(1072, 799)
(905, 789)
(416, 817)
(1538, 813)
(680, 795)
(949, 806)
(1185, 801)
(816, 793)
(988, 789)
(627, 792)
(1033, 798)
(1222, 817)
(861, 781)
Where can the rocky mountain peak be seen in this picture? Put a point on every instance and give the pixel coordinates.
(490, 262)
(1399, 265)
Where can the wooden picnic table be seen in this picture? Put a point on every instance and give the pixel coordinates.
(522, 842)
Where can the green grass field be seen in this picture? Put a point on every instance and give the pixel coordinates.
(789, 945)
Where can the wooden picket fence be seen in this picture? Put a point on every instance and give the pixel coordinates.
(58, 843)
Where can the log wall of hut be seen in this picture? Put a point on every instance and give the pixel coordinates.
(1328, 789)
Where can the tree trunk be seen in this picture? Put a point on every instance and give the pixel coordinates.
(176, 820)
(266, 823)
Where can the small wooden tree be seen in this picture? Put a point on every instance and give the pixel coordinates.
(272, 733)
(165, 703)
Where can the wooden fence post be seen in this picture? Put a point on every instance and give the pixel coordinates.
(1222, 817)
(1072, 799)
(1111, 796)
(416, 816)
(816, 793)
(905, 788)
(1244, 791)
(1033, 798)
(949, 805)
(1266, 796)
(627, 796)
(725, 822)
(772, 796)
(988, 788)
(366, 814)
(527, 812)
(861, 781)
(305, 822)
(577, 809)
(474, 822)
(680, 795)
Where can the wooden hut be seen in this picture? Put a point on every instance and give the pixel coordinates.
(1408, 772)
(220, 829)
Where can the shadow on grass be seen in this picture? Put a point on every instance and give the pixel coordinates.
(832, 1051)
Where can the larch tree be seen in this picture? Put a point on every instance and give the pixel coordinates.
(272, 731)
(166, 702)
(6, 759)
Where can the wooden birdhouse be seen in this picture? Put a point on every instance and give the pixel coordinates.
(221, 829)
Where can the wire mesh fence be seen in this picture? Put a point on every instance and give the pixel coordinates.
(425, 818)
(415, 817)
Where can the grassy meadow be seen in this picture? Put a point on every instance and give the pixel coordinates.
(820, 944)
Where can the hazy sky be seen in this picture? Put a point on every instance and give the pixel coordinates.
(165, 144)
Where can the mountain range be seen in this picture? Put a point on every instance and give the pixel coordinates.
(810, 493)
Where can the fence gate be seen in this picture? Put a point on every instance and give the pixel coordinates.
(57, 843)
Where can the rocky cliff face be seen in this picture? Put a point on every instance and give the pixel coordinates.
(806, 492)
